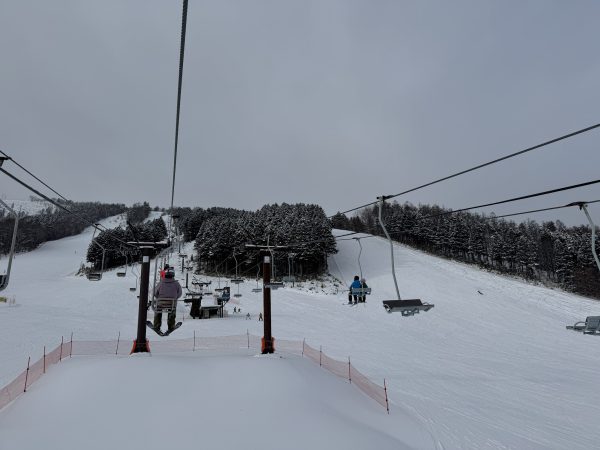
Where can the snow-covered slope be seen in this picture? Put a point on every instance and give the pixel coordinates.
(495, 369)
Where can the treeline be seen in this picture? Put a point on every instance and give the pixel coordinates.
(547, 252)
(52, 224)
(117, 253)
(138, 212)
(218, 233)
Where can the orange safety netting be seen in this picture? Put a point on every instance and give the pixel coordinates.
(342, 369)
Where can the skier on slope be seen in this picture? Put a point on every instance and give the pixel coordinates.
(355, 285)
(168, 287)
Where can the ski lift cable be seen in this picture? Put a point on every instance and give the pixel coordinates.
(58, 205)
(514, 199)
(35, 177)
(10, 158)
(570, 205)
(480, 166)
(179, 87)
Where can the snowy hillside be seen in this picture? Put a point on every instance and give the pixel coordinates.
(490, 366)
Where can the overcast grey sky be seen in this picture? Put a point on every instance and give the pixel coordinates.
(329, 101)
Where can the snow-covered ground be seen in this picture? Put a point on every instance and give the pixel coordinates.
(490, 366)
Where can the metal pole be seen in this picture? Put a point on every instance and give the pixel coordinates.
(381, 201)
(359, 253)
(13, 242)
(267, 339)
(140, 344)
(584, 207)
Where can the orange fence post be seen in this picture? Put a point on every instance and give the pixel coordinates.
(27, 374)
(61, 345)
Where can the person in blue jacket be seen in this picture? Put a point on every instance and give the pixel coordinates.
(356, 284)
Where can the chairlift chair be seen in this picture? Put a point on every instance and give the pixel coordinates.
(133, 289)
(94, 275)
(407, 307)
(362, 291)
(590, 326)
(237, 280)
(5, 277)
(122, 273)
(257, 289)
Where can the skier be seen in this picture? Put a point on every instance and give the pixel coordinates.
(260, 317)
(168, 287)
(363, 284)
(248, 316)
(355, 285)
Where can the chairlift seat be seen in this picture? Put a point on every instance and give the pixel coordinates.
(256, 290)
(590, 326)
(237, 280)
(274, 285)
(121, 274)
(164, 305)
(290, 279)
(237, 295)
(406, 307)
(360, 292)
(94, 276)
(219, 289)
(133, 289)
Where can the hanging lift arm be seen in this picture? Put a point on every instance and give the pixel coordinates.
(6, 277)
(584, 207)
(380, 204)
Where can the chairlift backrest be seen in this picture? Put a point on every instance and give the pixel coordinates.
(164, 305)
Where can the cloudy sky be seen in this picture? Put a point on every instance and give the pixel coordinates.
(328, 101)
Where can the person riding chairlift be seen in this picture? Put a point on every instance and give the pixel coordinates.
(356, 284)
(164, 271)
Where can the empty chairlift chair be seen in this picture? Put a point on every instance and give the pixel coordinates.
(95, 275)
(408, 307)
(237, 280)
(122, 273)
(590, 326)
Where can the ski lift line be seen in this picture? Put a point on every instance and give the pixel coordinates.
(179, 88)
(35, 177)
(58, 205)
(480, 166)
(541, 210)
(514, 199)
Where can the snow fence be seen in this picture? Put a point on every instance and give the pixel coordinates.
(343, 369)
